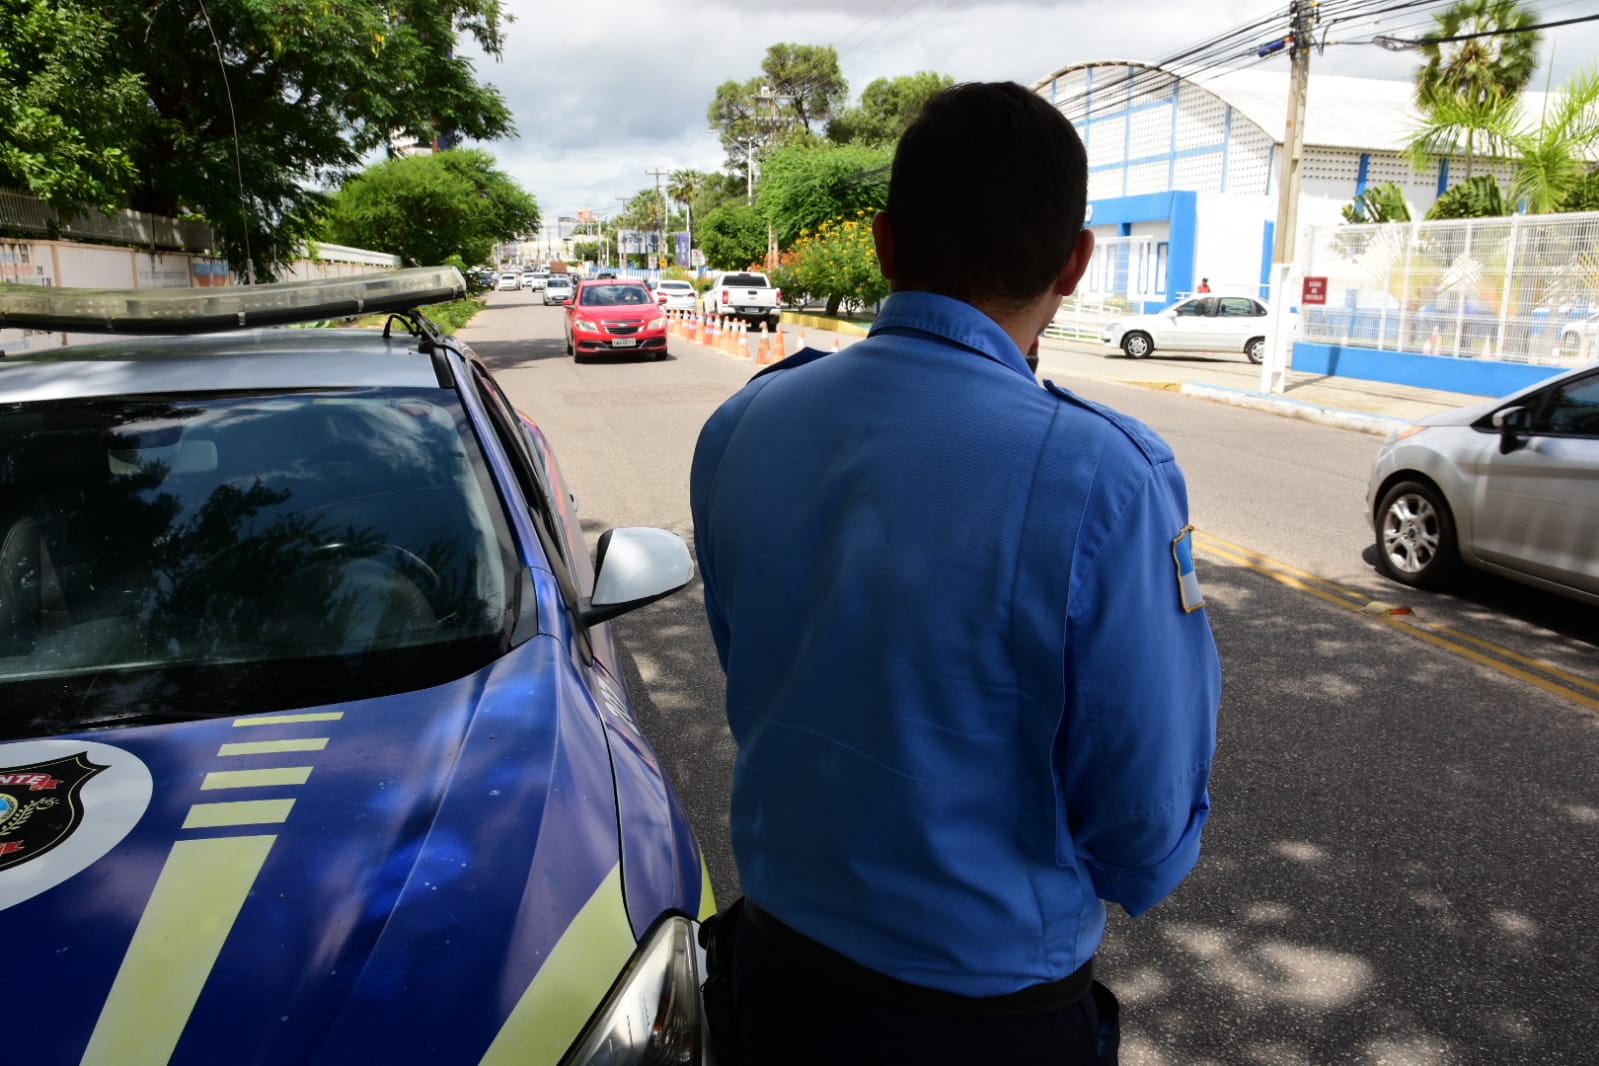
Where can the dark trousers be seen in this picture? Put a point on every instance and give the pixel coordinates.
(791, 1009)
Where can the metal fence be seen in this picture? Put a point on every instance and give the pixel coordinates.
(1521, 289)
(24, 214)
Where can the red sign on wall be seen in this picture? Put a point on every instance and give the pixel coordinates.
(1314, 291)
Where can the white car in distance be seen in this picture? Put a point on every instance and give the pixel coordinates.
(1206, 323)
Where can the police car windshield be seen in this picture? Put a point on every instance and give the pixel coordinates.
(184, 555)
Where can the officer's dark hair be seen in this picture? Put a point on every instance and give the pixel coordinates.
(987, 195)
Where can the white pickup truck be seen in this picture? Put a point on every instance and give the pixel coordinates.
(744, 295)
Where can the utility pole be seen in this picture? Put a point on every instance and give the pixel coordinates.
(661, 196)
(621, 258)
(1302, 18)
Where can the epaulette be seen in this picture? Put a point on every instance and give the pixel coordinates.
(799, 358)
(1145, 439)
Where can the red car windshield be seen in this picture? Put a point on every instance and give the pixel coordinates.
(615, 296)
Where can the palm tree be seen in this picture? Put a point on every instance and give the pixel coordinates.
(1552, 158)
(1480, 72)
(683, 186)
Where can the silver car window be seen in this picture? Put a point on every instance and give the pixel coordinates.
(1573, 409)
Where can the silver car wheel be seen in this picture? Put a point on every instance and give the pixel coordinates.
(1416, 535)
(1410, 535)
(1136, 345)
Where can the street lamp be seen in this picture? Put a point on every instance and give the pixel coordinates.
(748, 144)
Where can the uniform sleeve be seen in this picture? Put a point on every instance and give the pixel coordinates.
(1143, 683)
(702, 478)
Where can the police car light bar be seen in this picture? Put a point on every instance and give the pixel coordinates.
(172, 311)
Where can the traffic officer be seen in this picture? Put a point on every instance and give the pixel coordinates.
(969, 670)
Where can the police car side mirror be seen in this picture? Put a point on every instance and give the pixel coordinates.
(634, 566)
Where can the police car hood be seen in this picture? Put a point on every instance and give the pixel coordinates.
(382, 880)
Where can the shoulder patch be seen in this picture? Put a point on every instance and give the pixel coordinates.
(1182, 553)
(1145, 439)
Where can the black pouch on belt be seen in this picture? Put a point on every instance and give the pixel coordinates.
(718, 936)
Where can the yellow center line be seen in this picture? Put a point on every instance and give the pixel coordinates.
(1350, 599)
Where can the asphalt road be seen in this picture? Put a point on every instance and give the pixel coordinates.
(1400, 864)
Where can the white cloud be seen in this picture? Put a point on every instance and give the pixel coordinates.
(603, 92)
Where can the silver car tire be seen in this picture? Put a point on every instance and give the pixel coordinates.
(1416, 542)
(1256, 349)
(1137, 345)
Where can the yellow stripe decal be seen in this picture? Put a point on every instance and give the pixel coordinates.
(284, 775)
(194, 905)
(288, 719)
(573, 981)
(707, 894)
(243, 812)
(272, 747)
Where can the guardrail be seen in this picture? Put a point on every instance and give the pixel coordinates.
(26, 214)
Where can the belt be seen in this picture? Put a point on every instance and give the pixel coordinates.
(846, 973)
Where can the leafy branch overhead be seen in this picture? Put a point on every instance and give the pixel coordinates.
(145, 100)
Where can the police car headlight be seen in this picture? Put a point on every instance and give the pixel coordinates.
(653, 1012)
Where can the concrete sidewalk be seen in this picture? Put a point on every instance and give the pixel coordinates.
(1352, 403)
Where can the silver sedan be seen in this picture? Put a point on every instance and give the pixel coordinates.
(1510, 486)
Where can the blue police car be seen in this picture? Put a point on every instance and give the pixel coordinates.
(314, 745)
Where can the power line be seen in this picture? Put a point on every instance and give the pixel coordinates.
(1400, 43)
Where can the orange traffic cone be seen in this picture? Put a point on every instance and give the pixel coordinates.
(834, 348)
(741, 340)
(735, 338)
(763, 353)
(800, 344)
(699, 328)
(713, 331)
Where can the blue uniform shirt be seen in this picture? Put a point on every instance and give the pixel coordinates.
(971, 682)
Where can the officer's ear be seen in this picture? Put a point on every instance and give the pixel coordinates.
(883, 238)
(1076, 264)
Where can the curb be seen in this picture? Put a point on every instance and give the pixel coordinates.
(822, 322)
(1380, 425)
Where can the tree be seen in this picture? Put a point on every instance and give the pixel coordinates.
(733, 236)
(243, 108)
(426, 208)
(1480, 71)
(1478, 197)
(837, 262)
(68, 112)
(683, 186)
(1382, 203)
(805, 187)
(799, 89)
(1552, 158)
(887, 106)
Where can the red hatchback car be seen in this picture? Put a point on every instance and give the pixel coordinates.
(614, 315)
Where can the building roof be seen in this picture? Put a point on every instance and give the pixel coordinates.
(1365, 114)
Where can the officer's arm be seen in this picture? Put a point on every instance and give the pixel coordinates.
(1143, 684)
(702, 479)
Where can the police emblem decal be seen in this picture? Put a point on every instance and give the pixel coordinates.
(1182, 553)
(63, 805)
(40, 806)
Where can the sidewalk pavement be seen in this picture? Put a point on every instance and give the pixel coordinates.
(1376, 407)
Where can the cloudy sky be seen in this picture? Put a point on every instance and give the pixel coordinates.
(604, 91)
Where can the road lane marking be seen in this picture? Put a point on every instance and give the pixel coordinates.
(1496, 657)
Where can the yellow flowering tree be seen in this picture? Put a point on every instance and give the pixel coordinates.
(837, 262)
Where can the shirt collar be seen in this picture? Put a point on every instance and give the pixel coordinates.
(954, 320)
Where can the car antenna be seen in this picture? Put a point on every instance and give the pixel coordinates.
(238, 165)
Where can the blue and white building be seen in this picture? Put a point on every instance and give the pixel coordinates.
(1183, 171)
